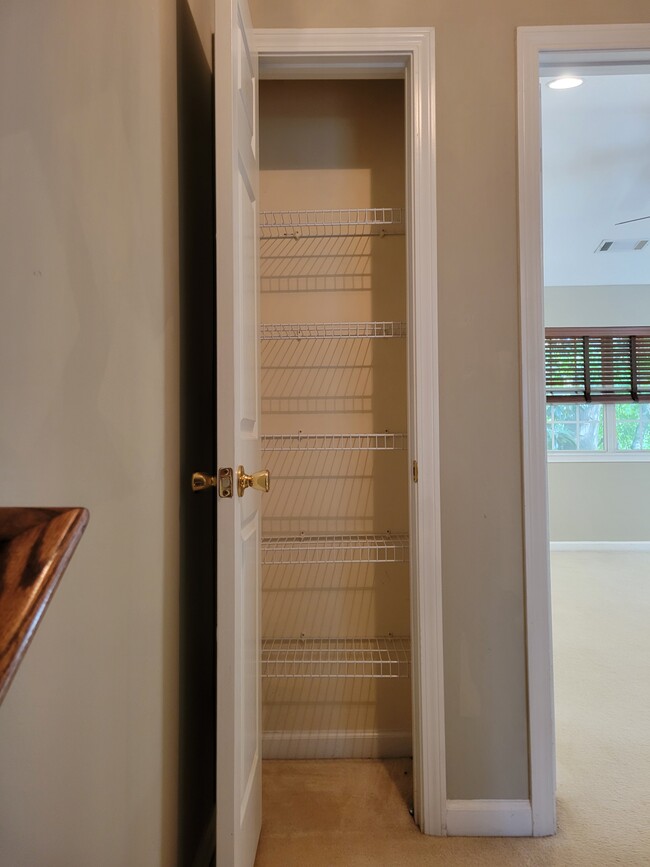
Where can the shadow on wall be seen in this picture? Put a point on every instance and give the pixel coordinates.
(198, 439)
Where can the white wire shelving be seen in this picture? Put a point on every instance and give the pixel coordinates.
(332, 223)
(388, 657)
(331, 330)
(334, 442)
(335, 548)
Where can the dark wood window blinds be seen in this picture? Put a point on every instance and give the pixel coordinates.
(600, 365)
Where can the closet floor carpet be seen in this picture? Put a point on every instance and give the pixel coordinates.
(354, 813)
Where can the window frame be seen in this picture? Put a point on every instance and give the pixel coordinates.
(609, 454)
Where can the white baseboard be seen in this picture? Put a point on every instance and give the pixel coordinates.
(336, 745)
(489, 819)
(600, 546)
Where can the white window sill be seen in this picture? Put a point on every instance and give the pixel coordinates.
(598, 457)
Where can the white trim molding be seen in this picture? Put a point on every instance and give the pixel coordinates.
(640, 457)
(404, 53)
(376, 52)
(343, 744)
(489, 818)
(531, 41)
(600, 546)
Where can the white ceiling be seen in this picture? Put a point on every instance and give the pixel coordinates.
(596, 172)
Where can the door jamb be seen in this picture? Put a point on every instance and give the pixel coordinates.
(541, 719)
(409, 53)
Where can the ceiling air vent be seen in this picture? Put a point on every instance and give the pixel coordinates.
(627, 245)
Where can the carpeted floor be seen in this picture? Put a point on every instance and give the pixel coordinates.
(355, 814)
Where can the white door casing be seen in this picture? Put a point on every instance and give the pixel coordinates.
(403, 53)
(239, 807)
(530, 42)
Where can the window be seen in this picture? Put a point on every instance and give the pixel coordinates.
(632, 426)
(591, 431)
(573, 427)
(598, 393)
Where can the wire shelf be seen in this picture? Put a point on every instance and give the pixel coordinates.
(339, 222)
(334, 442)
(336, 657)
(331, 330)
(335, 548)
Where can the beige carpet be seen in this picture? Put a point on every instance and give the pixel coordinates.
(354, 813)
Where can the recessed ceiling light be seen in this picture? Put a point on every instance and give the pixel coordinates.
(565, 82)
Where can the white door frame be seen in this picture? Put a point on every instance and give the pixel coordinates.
(404, 53)
(530, 42)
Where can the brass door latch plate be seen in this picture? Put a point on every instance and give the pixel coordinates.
(203, 481)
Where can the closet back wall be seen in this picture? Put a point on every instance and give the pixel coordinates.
(335, 144)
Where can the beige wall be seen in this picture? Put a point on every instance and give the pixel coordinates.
(88, 389)
(479, 357)
(87, 383)
(596, 305)
(599, 502)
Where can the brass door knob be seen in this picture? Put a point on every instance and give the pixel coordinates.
(259, 481)
(203, 481)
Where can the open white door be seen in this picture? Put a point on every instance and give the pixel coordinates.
(239, 795)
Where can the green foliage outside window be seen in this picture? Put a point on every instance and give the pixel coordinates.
(573, 427)
(632, 426)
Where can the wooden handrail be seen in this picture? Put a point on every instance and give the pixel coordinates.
(35, 548)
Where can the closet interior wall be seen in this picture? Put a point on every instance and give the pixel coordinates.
(336, 613)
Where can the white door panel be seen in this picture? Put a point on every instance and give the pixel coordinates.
(238, 518)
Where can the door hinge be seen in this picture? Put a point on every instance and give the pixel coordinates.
(415, 471)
